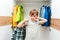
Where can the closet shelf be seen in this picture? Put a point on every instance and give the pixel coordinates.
(31, 0)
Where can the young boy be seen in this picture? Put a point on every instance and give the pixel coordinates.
(33, 25)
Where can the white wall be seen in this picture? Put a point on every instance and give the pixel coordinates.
(55, 5)
(6, 7)
(54, 34)
(5, 32)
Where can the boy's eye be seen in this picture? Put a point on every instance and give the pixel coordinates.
(32, 13)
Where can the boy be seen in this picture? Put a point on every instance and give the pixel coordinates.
(33, 25)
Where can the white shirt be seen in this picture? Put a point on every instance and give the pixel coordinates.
(33, 30)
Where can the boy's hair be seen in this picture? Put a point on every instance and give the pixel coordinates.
(33, 11)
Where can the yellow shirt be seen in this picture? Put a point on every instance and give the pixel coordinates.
(14, 24)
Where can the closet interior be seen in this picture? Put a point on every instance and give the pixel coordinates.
(32, 4)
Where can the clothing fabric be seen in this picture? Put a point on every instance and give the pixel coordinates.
(19, 15)
(32, 30)
(18, 33)
(45, 12)
(42, 11)
(48, 16)
(14, 24)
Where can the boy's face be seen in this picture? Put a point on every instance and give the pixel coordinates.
(34, 16)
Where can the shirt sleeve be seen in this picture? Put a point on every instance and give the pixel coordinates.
(38, 21)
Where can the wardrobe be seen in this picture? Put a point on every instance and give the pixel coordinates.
(27, 6)
(32, 4)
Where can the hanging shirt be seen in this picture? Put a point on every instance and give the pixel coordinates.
(14, 16)
(18, 33)
(45, 12)
(19, 15)
(48, 16)
(42, 11)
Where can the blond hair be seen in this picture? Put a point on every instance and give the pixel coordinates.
(33, 11)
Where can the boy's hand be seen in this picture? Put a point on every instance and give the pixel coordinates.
(42, 20)
(22, 23)
(26, 20)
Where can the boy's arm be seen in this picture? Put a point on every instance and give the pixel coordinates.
(22, 23)
(42, 20)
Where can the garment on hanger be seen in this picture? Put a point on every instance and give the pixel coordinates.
(42, 11)
(19, 15)
(18, 33)
(14, 24)
(45, 12)
(48, 16)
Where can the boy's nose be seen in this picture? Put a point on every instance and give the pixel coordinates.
(34, 16)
